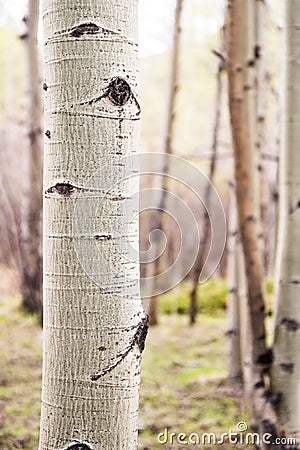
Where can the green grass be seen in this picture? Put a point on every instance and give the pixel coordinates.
(20, 377)
(211, 298)
(182, 389)
(183, 381)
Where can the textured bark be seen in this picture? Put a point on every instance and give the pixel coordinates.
(252, 99)
(94, 333)
(261, 169)
(200, 260)
(245, 197)
(233, 307)
(245, 328)
(168, 150)
(263, 411)
(286, 367)
(31, 223)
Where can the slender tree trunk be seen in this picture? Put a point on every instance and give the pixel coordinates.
(233, 307)
(245, 327)
(245, 198)
(94, 329)
(286, 367)
(200, 260)
(31, 223)
(168, 150)
(261, 169)
(252, 67)
(263, 411)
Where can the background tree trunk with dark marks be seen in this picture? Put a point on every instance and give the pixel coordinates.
(200, 260)
(158, 218)
(235, 372)
(263, 411)
(286, 367)
(31, 215)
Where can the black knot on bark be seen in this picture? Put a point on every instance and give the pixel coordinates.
(266, 358)
(290, 324)
(84, 28)
(65, 189)
(119, 91)
(141, 333)
(287, 367)
(79, 447)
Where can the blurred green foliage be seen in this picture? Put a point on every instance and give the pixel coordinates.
(211, 298)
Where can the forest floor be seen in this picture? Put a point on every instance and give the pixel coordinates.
(183, 385)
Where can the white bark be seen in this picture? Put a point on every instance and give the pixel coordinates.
(286, 367)
(93, 335)
(245, 327)
(233, 307)
(261, 166)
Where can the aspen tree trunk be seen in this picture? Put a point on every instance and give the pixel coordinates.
(244, 318)
(286, 367)
(261, 357)
(168, 148)
(244, 189)
(200, 260)
(261, 169)
(233, 307)
(94, 332)
(31, 220)
(249, 58)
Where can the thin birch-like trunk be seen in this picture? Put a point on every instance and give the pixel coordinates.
(286, 368)
(261, 169)
(244, 318)
(31, 215)
(239, 110)
(261, 357)
(168, 150)
(233, 307)
(94, 332)
(200, 259)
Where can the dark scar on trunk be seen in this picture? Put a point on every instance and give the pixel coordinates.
(290, 324)
(138, 339)
(78, 447)
(84, 28)
(65, 189)
(265, 358)
(287, 367)
(118, 91)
